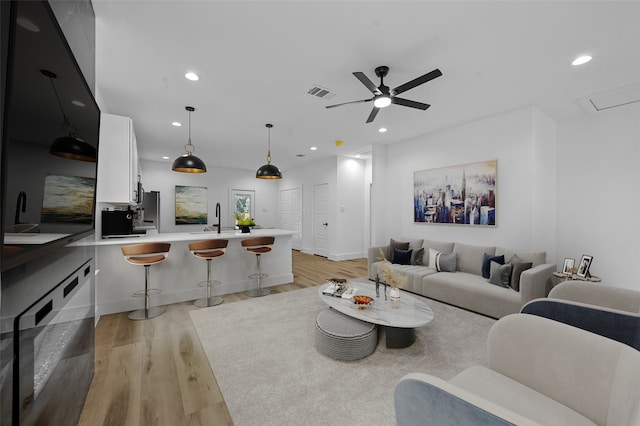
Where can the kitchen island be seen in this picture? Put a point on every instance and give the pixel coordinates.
(178, 276)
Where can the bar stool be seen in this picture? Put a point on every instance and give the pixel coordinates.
(258, 246)
(146, 254)
(208, 249)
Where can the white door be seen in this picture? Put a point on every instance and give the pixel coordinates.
(320, 219)
(291, 215)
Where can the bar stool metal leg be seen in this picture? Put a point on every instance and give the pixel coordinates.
(209, 300)
(258, 291)
(148, 311)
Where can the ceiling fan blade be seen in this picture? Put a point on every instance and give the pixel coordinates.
(373, 114)
(417, 81)
(365, 80)
(408, 103)
(352, 102)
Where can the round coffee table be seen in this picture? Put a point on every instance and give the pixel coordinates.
(399, 319)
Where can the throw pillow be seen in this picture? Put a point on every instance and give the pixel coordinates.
(518, 268)
(432, 258)
(486, 263)
(446, 262)
(500, 274)
(393, 244)
(402, 257)
(416, 256)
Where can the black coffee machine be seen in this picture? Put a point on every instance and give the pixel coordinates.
(117, 223)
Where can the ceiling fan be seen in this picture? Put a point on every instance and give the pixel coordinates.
(383, 96)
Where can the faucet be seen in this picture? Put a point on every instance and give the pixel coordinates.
(21, 205)
(218, 215)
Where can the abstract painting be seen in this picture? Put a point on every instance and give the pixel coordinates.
(463, 194)
(191, 205)
(68, 199)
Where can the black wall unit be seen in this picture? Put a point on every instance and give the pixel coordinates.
(47, 305)
(44, 193)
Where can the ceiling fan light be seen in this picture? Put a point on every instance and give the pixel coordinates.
(382, 101)
(74, 149)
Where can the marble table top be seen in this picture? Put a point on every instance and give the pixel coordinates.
(410, 312)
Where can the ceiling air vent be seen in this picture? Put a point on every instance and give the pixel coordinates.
(301, 155)
(611, 99)
(321, 92)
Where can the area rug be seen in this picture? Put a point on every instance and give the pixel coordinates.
(262, 352)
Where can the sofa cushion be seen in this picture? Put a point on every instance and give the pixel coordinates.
(445, 262)
(516, 271)
(470, 257)
(417, 255)
(535, 257)
(470, 291)
(486, 263)
(400, 245)
(500, 274)
(414, 274)
(443, 247)
(517, 397)
(402, 257)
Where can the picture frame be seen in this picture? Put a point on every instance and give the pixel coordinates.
(463, 194)
(584, 265)
(191, 205)
(567, 267)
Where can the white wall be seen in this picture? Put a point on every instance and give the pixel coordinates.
(350, 209)
(566, 188)
(511, 140)
(345, 178)
(598, 193)
(158, 176)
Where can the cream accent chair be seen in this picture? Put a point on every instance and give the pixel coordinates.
(612, 312)
(540, 372)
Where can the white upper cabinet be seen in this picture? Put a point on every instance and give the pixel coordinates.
(118, 166)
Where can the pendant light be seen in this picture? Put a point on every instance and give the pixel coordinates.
(69, 146)
(189, 163)
(269, 171)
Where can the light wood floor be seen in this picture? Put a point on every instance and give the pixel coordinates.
(155, 372)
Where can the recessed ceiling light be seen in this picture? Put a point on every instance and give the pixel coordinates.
(357, 155)
(314, 148)
(192, 76)
(27, 24)
(382, 129)
(176, 124)
(164, 157)
(78, 103)
(581, 60)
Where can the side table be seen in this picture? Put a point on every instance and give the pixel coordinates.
(574, 277)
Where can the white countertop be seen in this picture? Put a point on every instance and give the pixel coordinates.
(26, 238)
(186, 236)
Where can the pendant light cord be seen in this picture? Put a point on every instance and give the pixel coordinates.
(189, 148)
(67, 124)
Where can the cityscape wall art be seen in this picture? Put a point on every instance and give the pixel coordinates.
(191, 205)
(462, 195)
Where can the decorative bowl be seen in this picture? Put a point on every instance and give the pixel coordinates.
(362, 302)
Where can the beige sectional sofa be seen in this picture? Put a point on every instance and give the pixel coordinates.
(466, 287)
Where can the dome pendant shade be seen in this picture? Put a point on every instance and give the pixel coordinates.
(69, 146)
(189, 163)
(74, 149)
(269, 171)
